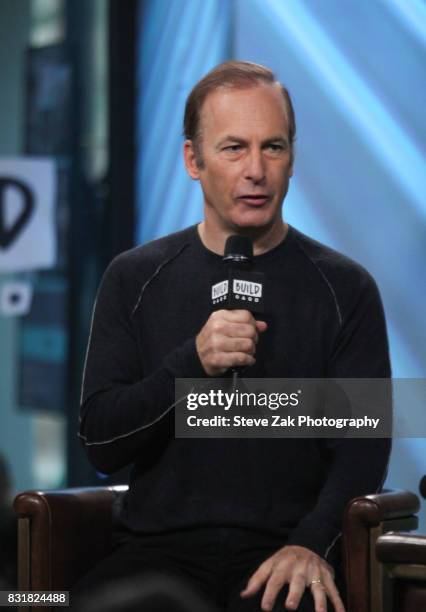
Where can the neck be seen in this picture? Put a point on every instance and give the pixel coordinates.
(263, 239)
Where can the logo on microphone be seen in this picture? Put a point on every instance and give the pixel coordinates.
(244, 290)
(220, 292)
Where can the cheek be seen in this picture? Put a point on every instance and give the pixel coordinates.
(220, 181)
(281, 176)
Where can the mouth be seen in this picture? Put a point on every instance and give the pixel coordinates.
(254, 199)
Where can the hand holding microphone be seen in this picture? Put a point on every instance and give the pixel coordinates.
(229, 337)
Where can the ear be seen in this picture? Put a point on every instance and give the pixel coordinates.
(190, 160)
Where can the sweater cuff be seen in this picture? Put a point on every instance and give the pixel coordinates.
(317, 541)
(184, 362)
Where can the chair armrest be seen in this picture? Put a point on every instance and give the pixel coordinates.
(371, 510)
(404, 557)
(365, 519)
(62, 533)
(400, 547)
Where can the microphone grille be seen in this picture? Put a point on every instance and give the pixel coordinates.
(238, 249)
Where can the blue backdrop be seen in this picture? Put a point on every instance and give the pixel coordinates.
(356, 73)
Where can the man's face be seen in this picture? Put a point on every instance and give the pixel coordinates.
(247, 158)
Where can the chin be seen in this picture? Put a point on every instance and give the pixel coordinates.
(253, 221)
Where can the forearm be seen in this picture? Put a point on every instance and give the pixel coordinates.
(119, 421)
(358, 467)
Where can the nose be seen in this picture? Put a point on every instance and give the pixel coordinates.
(255, 166)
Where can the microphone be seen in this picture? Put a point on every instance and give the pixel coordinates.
(238, 251)
(240, 287)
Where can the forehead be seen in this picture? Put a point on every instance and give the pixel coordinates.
(257, 109)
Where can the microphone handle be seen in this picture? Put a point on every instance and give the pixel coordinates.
(234, 379)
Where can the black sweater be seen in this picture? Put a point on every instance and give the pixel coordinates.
(325, 319)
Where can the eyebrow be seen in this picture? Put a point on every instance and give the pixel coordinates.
(239, 140)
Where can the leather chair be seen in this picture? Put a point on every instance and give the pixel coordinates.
(404, 558)
(365, 520)
(62, 533)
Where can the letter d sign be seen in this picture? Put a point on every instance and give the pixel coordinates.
(27, 203)
(8, 233)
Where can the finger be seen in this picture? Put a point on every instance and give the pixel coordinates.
(223, 340)
(237, 315)
(319, 595)
(238, 345)
(220, 345)
(295, 591)
(333, 594)
(329, 570)
(261, 326)
(273, 587)
(257, 580)
(240, 330)
(233, 359)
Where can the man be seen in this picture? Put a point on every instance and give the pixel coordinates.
(251, 523)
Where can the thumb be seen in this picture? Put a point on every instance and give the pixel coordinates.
(261, 326)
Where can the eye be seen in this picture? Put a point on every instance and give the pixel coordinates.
(233, 148)
(275, 147)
